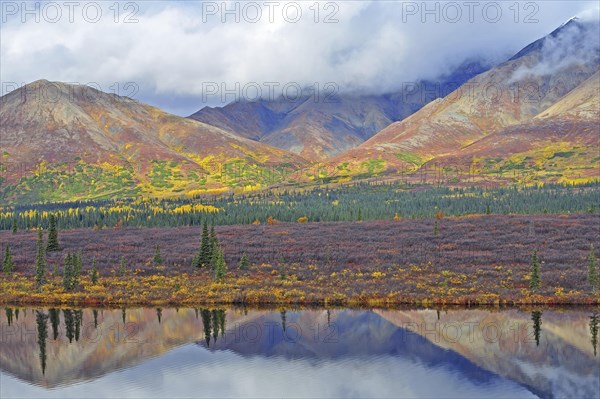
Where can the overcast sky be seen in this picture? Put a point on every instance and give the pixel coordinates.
(181, 56)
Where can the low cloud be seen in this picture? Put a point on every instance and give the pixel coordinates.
(173, 49)
(577, 44)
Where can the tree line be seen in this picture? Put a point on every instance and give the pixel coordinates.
(346, 203)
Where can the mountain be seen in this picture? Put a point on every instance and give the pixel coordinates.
(520, 90)
(323, 124)
(560, 144)
(49, 130)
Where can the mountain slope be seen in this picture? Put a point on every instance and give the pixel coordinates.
(321, 125)
(562, 143)
(510, 94)
(46, 124)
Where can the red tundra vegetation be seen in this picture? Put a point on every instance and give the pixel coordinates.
(471, 260)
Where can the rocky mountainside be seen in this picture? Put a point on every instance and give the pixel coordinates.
(528, 87)
(323, 124)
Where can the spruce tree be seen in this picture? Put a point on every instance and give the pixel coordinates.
(52, 235)
(535, 280)
(205, 248)
(14, 226)
(158, 260)
(77, 268)
(593, 269)
(94, 272)
(8, 265)
(244, 262)
(220, 266)
(68, 273)
(40, 262)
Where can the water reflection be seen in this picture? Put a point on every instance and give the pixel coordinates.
(286, 353)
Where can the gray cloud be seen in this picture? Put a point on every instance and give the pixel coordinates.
(174, 49)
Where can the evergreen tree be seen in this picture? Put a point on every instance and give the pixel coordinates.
(244, 262)
(535, 279)
(52, 235)
(40, 262)
(8, 265)
(94, 272)
(158, 260)
(68, 273)
(593, 269)
(14, 226)
(205, 253)
(77, 266)
(220, 266)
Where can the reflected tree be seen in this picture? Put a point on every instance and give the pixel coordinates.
(206, 324)
(215, 325)
(9, 315)
(222, 322)
(95, 315)
(594, 321)
(69, 324)
(42, 330)
(54, 321)
(17, 314)
(283, 319)
(159, 314)
(123, 314)
(536, 317)
(78, 320)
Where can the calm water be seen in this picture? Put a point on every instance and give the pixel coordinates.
(145, 353)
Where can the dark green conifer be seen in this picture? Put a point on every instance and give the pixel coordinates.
(52, 235)
(8, 265)
(40, 262)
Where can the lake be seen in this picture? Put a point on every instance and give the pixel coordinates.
(162, 353)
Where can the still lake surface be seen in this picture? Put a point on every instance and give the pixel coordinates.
(162, 353)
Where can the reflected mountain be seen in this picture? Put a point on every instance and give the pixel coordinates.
(464, 352)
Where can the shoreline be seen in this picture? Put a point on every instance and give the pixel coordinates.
(135, 292)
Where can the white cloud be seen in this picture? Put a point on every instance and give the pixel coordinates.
(170, 52)
(193, 371)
